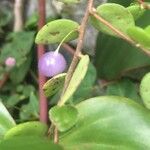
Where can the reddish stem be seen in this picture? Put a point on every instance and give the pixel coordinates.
(42, 79)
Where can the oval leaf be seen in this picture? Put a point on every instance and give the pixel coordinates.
(6, 121)
(53, 85)
(117, 15)
(140, 36)
(55, 31)
(34, 128)
(63, 117)
(28, 143)
(76, 79)
(145, 90)
(109, 123)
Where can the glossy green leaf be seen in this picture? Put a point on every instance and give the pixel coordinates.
(114, 60)
(136, 10)
(63, 117)
(28, 143)
(117, 15)
(77, 78)
(70, 1)
(140, 36)
(145, 90)
(33, 128)
(6, 121)
(109, 123)
(55, 31)
(53, 85)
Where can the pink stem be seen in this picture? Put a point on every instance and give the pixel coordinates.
(42, 79)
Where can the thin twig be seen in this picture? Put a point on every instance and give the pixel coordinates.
(18, 15)
(68, 48)
(118, 32)
(3, 81)
(75, 58)
(79, 46)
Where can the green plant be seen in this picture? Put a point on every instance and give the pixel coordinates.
(99, 123)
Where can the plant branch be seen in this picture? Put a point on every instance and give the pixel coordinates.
(18, 15)
(118, 32)
(143, 4)
(68, 48)
(41, 78)
(75, 59)
(79, 46)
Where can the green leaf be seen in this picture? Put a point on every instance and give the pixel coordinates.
(85, 89)
(145, 90)
(117, 15)
(32, 21)
(76, 79)
(53, 85)
(140, 36)
(28, 143)
(19, 47)
(55, 31)
(63, 117)
(109, 123)
(136, 10)
(30, 111)
(6, 121)
(114, 60)
(125, 88)
(33, 128)
(20, 71)
(5, 16)
(147, 30)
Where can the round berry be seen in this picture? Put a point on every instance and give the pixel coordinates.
(10, 62)
(51, 64)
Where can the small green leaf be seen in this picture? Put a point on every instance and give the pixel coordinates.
(55, 31)
(76, 79)
(28, 143)
(33, 128)
(140, 36)
(63, 117)
(117, 15)
(136, 10)
(145, 90)
(6, 121)
(54, 84)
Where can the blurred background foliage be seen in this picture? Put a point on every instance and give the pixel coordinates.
(116, 67)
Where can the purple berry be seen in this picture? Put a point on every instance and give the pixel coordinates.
(51, 64)
(10, 62)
